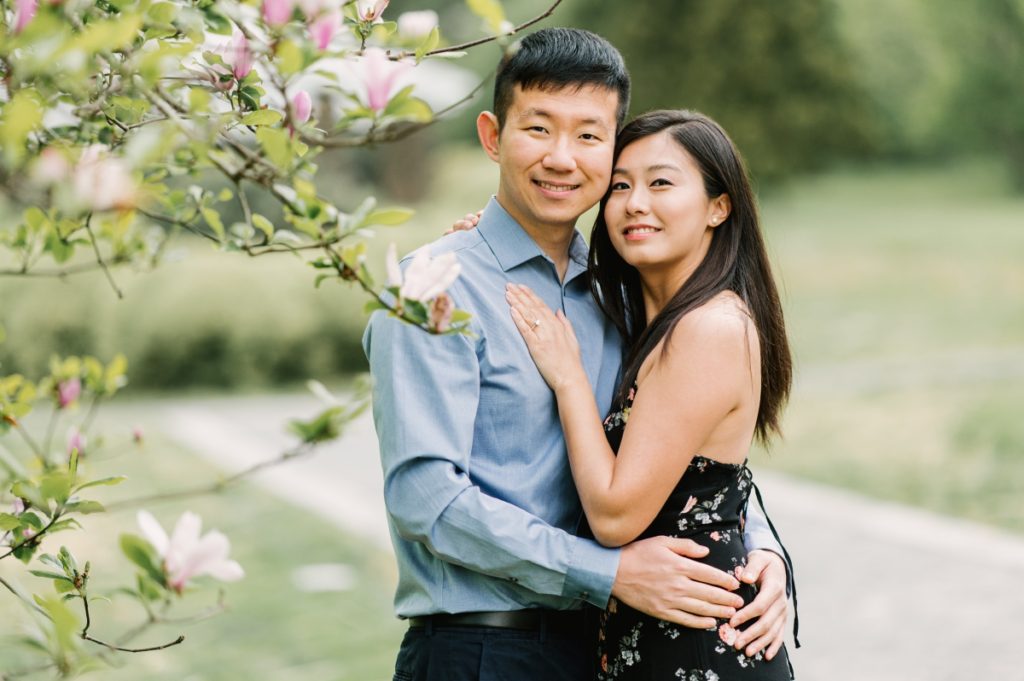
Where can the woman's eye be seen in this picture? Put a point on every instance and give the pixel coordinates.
(661, 182)
(590, 137)
(619, 185)
(537, 128)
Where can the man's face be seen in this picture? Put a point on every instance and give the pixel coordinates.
(555, 153)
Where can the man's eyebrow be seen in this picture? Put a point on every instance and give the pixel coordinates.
(543, 113)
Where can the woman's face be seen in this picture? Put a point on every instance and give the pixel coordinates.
(658, 213)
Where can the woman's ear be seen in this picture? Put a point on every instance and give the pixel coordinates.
(719, 210)
(488, 132)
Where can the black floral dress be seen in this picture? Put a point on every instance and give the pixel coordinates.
(708, 506)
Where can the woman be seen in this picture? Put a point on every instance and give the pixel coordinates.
(679, 264)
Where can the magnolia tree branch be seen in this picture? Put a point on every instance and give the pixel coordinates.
(483, 41)
(110, 646)
(218, 486)
(99, 256)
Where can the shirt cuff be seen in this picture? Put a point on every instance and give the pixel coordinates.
(765, 541)
(591, 572)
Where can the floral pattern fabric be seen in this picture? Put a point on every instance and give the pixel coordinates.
(708, 506)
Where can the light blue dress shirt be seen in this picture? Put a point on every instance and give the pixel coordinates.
(481, 503)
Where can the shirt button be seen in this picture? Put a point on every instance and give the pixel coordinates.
(513, 580)
(584, 594)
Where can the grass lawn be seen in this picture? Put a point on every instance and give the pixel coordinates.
(272, 630)
(904, 294)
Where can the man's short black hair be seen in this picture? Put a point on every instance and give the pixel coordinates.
(556, 58)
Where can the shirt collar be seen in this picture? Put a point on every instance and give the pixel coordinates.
(512, 246)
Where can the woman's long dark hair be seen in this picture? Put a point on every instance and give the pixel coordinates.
(736, 261)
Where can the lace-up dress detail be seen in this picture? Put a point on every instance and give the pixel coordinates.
(708, 505)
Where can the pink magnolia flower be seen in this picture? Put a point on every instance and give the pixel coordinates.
(323, 28)
(68, 391)
(137, 435)
(302, 106)
(25, 11)
(379, 76)
(727, 634)
(441, 312)
(76, 441)
(370, 10)
(277, 12)
(51, 167)
(18, 506)
(101, 181)
(426, 277)
(239, 56)
(417, 25)
(186, 554)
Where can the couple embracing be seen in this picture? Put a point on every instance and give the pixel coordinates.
(567, 490)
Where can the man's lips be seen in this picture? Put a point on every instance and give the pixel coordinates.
(556, 187)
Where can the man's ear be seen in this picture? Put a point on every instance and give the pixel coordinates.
(487, 131)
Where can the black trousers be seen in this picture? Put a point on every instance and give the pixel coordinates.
(439, 653)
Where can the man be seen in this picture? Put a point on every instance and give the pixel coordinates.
(480, 498)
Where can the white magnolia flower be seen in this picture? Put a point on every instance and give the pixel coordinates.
(102, 181)
(370, 10)
(186, 554)
(416, 25)
(394, 271)
(426, 278)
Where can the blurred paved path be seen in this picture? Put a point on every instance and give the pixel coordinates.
(887, 593)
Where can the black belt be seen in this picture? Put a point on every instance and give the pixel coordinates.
(558, 622)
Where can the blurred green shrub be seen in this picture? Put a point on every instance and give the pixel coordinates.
(203, 321)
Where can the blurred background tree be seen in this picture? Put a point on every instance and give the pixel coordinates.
(775, 75)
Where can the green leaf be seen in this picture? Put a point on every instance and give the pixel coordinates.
(21, 115)
(261, 117)
(216, 22)
(389, 216)
(65, 623)
(141, 552)
(63, 586)
(373, 305)
(275, 145)
(289, 58)
(113, 480)
(430, 43)
(163, 12)
(411, 108)
(212, 218)
(56, 485)
(490, 11)
(49, 575)
(84, 507)
(26, 490)
(263, 224)
(9, 522)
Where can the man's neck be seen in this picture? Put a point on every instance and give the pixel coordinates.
(554, 240)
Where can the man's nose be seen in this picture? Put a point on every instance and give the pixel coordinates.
(560, 157)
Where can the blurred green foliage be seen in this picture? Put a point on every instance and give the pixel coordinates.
(804, 84)
(774, 74)
(273, 629)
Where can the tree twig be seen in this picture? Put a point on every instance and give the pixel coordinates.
(288, 455)
(482, 41)
(99, 256)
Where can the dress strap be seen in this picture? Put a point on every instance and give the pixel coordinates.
(789, 564)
